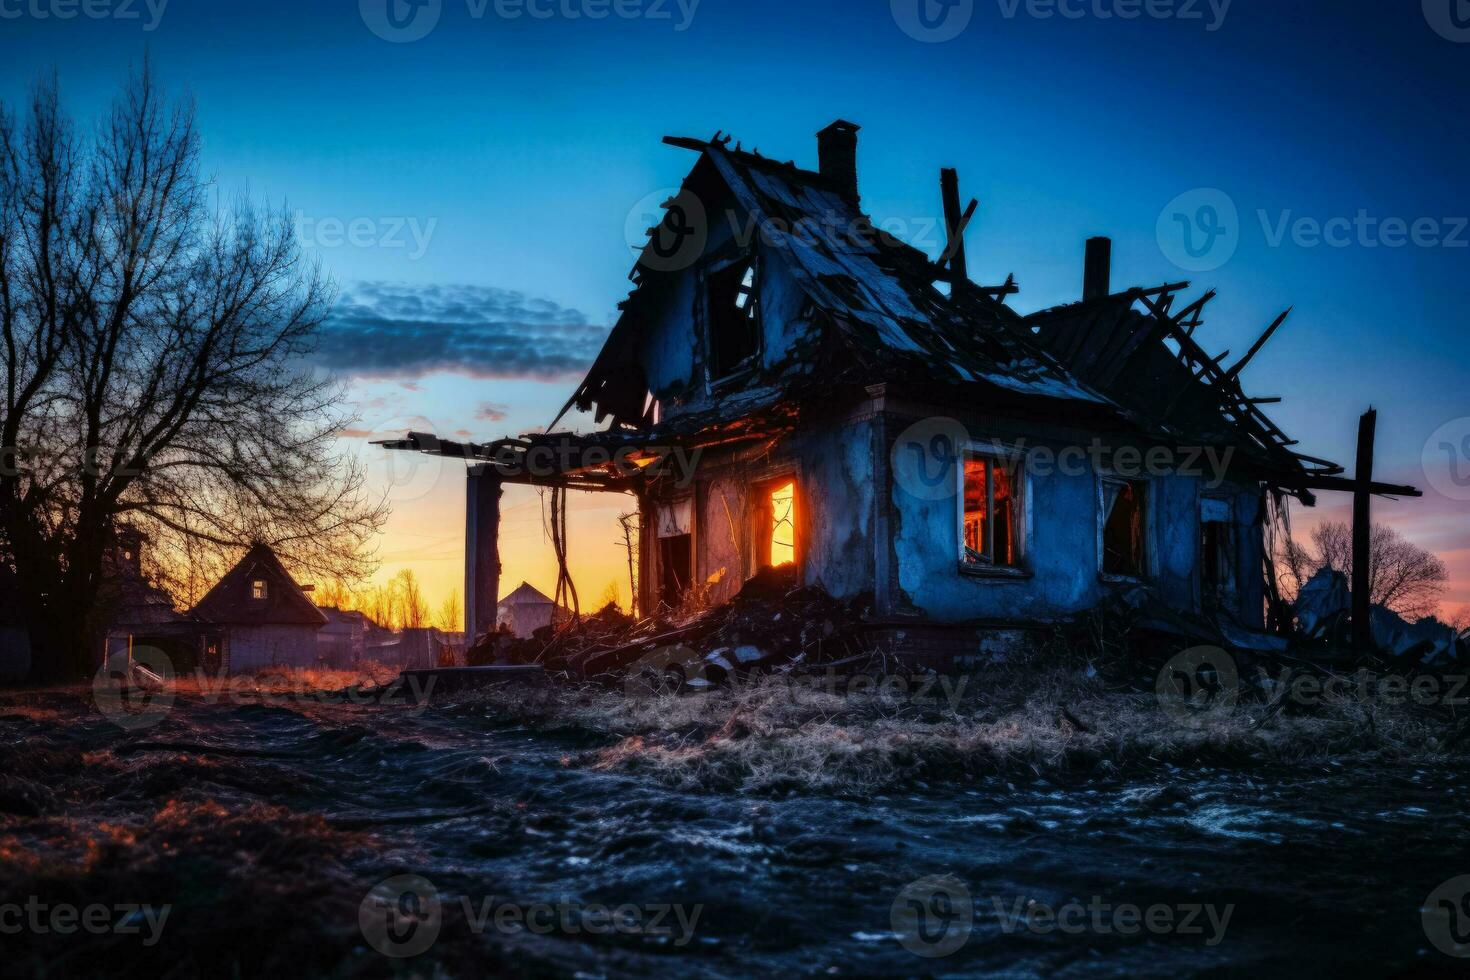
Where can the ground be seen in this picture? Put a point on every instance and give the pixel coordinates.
(778, 828)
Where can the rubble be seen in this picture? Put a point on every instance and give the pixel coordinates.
(770, 623)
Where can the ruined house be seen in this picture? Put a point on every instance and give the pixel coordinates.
(873, 417)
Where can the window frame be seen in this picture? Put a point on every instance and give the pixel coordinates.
(1149, 572)
(1014, 459)
(263, 591)
(1231, 589)
(761, 518)
(747, 365)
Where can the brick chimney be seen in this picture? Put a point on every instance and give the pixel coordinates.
(837, 156)
(1097, 268)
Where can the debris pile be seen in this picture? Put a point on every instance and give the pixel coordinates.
(770, 623)
(555, 646)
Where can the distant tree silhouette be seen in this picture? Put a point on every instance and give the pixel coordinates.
(413, 608)
(451, 613)
(152, 347)
(1403, 577)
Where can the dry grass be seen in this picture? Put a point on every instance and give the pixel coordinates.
(287, 681)
(779, 734)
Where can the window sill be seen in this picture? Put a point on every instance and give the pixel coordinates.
(742, 373)
(1113, 579)
(994, 573)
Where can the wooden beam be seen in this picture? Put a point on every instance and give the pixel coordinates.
(1344, 484)
(954, 228)
(1362, 534)
(1256, 347)
(999, 293)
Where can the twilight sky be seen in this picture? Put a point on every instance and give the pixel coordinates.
(471, 185)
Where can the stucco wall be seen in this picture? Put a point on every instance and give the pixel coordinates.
(1062, 545)
(671, 344)
(863, 528)
(832, 465)
(837, 478)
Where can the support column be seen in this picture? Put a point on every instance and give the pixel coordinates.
(1362, 534)
(481, 550)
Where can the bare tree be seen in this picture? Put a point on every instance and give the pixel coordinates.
(413, 609)
(152, 351)
(451, 613)
(1403, 577)
(630, 525)
(334, 594)
(377, 604)
(1461, 619)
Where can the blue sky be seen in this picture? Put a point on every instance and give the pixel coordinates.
(501, 155)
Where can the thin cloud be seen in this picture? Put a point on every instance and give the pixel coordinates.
(399, 331)
(491, 412)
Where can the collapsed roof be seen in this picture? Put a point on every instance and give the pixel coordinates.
(880, 316)
(875, 299)
(873, 313)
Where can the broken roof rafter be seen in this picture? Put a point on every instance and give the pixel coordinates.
(1226, 384)
(612, 460)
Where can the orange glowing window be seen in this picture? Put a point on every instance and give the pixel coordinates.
(992, 514)
(783, 524)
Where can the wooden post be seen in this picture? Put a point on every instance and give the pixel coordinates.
(481, 550)
(949, 192)
(1362, 534)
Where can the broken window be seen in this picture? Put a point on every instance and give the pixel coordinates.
(1217, 550)
(734, 327)
(992, 513)
(1124, 530)
(783, 524)
(258, 589)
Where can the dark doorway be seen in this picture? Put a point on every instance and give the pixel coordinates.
(1217, 563)
(676, 568)
(182, 651)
